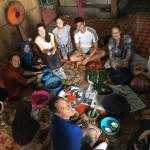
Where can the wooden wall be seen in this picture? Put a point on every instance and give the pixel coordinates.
(9, 35)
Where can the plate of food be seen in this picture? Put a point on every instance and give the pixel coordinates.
(73, 94)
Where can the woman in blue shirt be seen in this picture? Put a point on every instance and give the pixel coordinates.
(63, 38)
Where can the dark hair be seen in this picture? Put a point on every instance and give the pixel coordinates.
(40, 25)
(57, 17)
(52, 102)
(12, 55)
(78, 19)
(47, 37)
(24, 127)
(121, 44)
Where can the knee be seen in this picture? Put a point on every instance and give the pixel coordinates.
(103, 53)
(71, 58)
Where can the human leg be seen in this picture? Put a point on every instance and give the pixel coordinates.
(64, 54)
(76, 57)
(96, 56)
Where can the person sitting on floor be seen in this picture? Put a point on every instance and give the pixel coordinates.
(12, 77)
(120, 49)
(28, 61)
(121, 52)
(66, 134)
(24, 127)
(63, 38)
(48, 52)
(141, 80)
(86, 41)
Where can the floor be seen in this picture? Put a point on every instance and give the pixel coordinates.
(135, 24)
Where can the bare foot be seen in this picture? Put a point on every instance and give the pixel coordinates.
(85, 62)
(78, 63)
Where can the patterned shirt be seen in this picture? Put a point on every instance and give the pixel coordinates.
(118, 54)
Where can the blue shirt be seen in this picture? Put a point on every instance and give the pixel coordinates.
(66, 135)
(62, 36)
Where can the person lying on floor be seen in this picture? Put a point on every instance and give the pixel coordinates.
(48, 52)
(67, 135)
(12, 77)
(28, 60)
(121, 53)
(86, 41)
(63, 38)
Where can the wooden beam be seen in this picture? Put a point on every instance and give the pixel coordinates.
(114, 8)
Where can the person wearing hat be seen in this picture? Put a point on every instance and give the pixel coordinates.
(66, 134)
(12, 77)
(28, 60)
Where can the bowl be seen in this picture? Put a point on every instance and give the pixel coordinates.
(54, 84)
(120, 76)
(110, 126)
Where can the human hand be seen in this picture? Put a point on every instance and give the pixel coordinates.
(115, 66)
(53, 51)
(68, 45)
(39, 76)
(144, 134)
(66, 48)
(39, 60)
(125, 63)
(85, 61)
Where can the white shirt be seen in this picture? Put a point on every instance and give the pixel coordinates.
(86, 39)
(43, 45)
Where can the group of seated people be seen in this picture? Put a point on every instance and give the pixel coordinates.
(53, 48)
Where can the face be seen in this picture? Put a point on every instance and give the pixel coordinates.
(116, 33)
(41, 31)
(59, 23)
(64, 109)
(26, 48)
(81, 26)
(15, 61)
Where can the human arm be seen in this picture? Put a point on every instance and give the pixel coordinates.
(53, 44)
(31, 73)
(44, 46)
(128, 47)
(144, 134)
(78, 47)
(94, 50)
(69, 36)
(111, 47)
(30, 80)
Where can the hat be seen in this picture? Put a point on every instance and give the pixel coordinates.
(39, 99)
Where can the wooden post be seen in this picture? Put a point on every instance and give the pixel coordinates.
(80, 8)
(114, 8)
